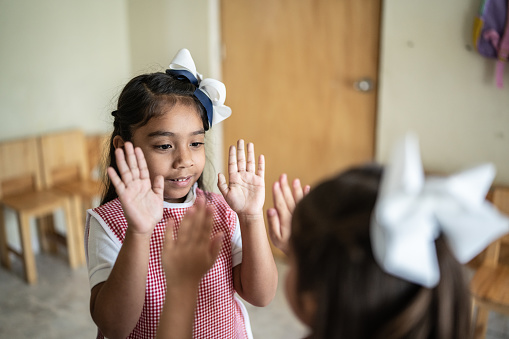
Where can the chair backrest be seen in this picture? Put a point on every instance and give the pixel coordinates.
(19, 167)
(495, 254)
(63, 157)
(97, 148)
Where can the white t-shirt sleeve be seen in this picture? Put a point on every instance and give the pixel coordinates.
(236, 244)
(102, 252)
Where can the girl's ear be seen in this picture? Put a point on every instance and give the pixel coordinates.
(118, 142)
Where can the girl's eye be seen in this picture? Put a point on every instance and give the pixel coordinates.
(165, 146)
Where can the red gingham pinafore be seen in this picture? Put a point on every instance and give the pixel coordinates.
(217, 314)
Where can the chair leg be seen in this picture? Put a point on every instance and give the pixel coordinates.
(72, 251)
(4, 246)
(78, 222)
(27, 252)
(47, 233)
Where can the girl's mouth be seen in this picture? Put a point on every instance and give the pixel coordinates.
(180, 181)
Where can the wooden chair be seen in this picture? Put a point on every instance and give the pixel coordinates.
(21, 190)
(96, 153)
(66, 169)
(490, 284)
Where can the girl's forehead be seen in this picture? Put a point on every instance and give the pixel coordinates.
(176, 118)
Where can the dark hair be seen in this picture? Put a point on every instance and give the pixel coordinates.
(354, 297)
(143, 98)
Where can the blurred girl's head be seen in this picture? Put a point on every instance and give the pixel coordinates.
(337, 288)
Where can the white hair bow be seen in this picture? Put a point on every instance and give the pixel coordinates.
(411, 212)
(210, 92)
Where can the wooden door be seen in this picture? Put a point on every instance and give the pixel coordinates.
(289, 67)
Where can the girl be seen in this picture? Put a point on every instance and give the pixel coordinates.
(157, 157)
(372, 258)
(344, 278)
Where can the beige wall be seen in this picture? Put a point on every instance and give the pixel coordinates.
(61, 63)
(432, 83)
(158, 31)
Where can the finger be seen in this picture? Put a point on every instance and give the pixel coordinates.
(307, 188)
(251, 165)
(196, 224)
(207, 224)
(261, 166)
(116, 181)
(215, 247)
(274, 225)
(298, 192)
(222, 185)
(168, 234)
(185, 225)
(142, 163)
(241, 156)
(158, 186)
(132, 161)
(280, 203)
(232, 160)
(123, 169)
(287, 192)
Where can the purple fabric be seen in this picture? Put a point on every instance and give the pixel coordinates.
(494, 16)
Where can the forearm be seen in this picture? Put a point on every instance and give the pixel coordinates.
(177, 316)
(117, 306)
(257, 278)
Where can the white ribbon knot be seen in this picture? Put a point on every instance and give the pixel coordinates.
(214, 89)
(412, 212)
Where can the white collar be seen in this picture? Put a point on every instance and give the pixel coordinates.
(190, 198)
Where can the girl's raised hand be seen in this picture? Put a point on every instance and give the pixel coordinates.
(279, 217)
(245, 191)
(186, 259)
(142, 203)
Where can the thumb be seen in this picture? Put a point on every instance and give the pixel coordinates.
(222, 185)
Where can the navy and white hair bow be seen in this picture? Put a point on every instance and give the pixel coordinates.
(210, 92)
(411, 212)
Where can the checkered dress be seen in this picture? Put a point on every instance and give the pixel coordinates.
(217, 313)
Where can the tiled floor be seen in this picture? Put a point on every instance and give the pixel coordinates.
(57, 307)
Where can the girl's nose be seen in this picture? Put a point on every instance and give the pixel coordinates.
(182, 158)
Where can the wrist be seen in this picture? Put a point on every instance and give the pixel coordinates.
(138, 236)
(249, 218)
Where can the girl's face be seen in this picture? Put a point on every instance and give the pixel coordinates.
(174, 147)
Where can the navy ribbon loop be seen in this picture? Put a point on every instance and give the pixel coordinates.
(183, 74)
(202, 97)
(206, 102)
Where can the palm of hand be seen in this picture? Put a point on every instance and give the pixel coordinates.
(143, 208)
(247, 192)
(142, 203)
